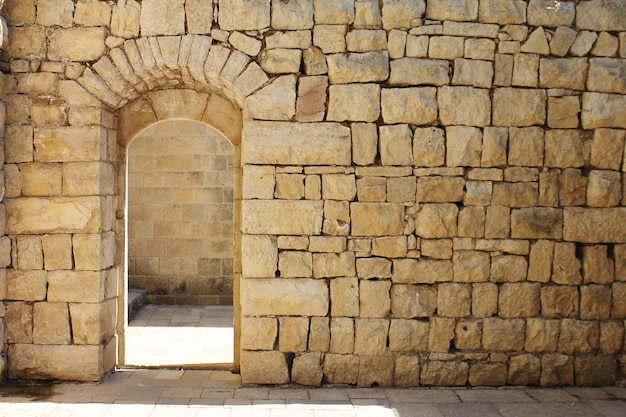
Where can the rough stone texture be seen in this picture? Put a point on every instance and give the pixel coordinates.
(273, 370)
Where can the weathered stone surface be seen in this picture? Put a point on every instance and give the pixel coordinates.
(327, 265)
(543, 13)
(436, 221)
(258, 333)
(341, 369)
(428, 147)
(244, 15)
(440, 189)
(508, 268)
(410, 301)
(556, 370)
(77, 44)
(607, 148)
(261, 217)
(307, 370)
(344, 295)
(396, 109)
(259, 256)
(503, 335)
(414, 71)
(444, 373)
(51, 324)
(408, 335)
(93, 252)
(319, 336)
(594, 225)
(281, 61)
(502, 11)
(567, 73)
(370, 336)
(604, 188)
(92, 323)
(477, 112)
(288, 297)
(162, 17)
(341, 335)
(484, 299)
(296, 143)
(452, 10)
(453, 300)
(282, 96)
(603, 110)
(269, 367)
(518, 107)
(293, 334)
(358, 67)
(341, 106)
(445, 47)
(488, 374)
(524, 370)
(292, 15)
(413, 271)
(471, 266)
(26, 285)
(330, 39)
(593, 305)
(519, 300)
(377, 219)
(403, 14)
(311, 102)
(515, 194)
(537, 223)
(578, 336)
(601, 15)
(566, 267)
(464, 146)
(541, 335)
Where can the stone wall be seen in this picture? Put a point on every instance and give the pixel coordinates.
(426, 192)
(180, 214)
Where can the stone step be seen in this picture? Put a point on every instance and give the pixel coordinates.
(136, 300)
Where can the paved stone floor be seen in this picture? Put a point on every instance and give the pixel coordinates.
(204, 393)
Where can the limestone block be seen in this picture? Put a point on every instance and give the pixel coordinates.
(341, 105)
(543, 13)
(341, 335)
(526, 146)
(319, 335)
(508, 268)
(162, 17)
(51, 324)
(524, 370)
(484, 299)
(258, 333)
(70, 144)
(289, 186)
(395, 143)
(503, 70)
(488, 374)
(471, 266)
(515, 194)
(341, 369)
(77, 44)
(372, 189)
(563, 111)
(281, 93)
(441, 334)
(480, 49)
(611, 337)
(62, 362)
(281, 61)
(406, 372)
(595, 371)
(417, 46)
(444, 373)
(583, 43)
(402, 14)
(51, 215)
(314, 61)
(415, 71)
(562, 40)
(453, 300)
(375, 371)
(295, 264)
(285, 297)
(330, 38)
(125, 19)
(428, 147)
(57, 251)
(259, 256)
(296, 217)
(19, 323)
(25, 42)
(41, 179)
(438, 249)
(336, 218)
(476, 113)
(363, 40)
(536, 223)
(292, 15)
(401, 189)
(502, 11)
(298, 39)
(415, 271)
(619, 255)
(567, 73)
(525, 70)
(408, 335)
(395, 108)
(26, 285)
(452, 10)
(375, 301)
(478, 193)
(246, 44)
(594, 225)
(296, 143)
(604, 188)
(377, 219)
(311, 101)
(556, 370)
(307, 370)
(370, 336)
(264, 367)
(437, 221)
(445, 47)
(390, 247)
(607, 148)
(358, 67)
(503, 335)
(77, 286)
(55, 13)
(364, 143)
(540, 261)
(344, 295)
(440, 189)
(573, 188)
(618, 310)
(93, 252)
(473, 73)
(293, 334)
(92, 323)
(518, 107)
(593, 302)
(258, 182)
(20, 12)
(606, 45)
(598, 268)
(338, 187)
(464, 146)
(468, 334)
(603, 110)
(409, 301)
(327, 244)
(396, 43)
(328, 265)
(244, 15)
(559, 301)
(541, 335)
(607, 75)
(519, 300)
(494, 146)
(601, 15)
(622, 42)
(578, 336)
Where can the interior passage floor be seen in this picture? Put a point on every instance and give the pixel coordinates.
(180, 336)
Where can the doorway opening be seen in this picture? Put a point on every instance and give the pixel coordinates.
(180, 209)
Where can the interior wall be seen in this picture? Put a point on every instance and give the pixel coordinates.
(180, 214)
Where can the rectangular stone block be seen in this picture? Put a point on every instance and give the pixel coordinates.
(77, 44)
(70, 144)
(284, 297)
(77, 286)
(377, 219)
(93, 252)
(296, 143)
(26, 285)
(601, 225)
(282, 217)
(51, 324)
(93, 323)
